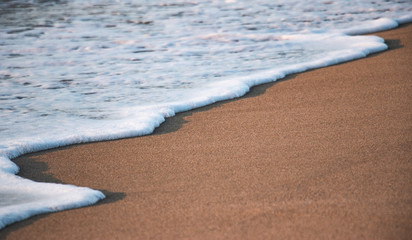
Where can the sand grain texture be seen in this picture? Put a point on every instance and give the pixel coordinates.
(324, 154)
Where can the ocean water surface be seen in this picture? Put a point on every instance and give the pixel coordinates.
(79, 71)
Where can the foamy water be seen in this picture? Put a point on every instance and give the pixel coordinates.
(80, 71)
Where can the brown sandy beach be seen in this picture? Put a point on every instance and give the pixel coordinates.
(326, 154)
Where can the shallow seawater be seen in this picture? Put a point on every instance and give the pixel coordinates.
(78, 71)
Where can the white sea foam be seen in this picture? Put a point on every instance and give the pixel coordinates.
(22, 198)
(105, 70)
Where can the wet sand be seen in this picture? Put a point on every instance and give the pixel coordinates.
(325, 154)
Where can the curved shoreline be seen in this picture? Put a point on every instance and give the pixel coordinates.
(278, 124)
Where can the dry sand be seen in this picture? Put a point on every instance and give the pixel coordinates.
(324, 154)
